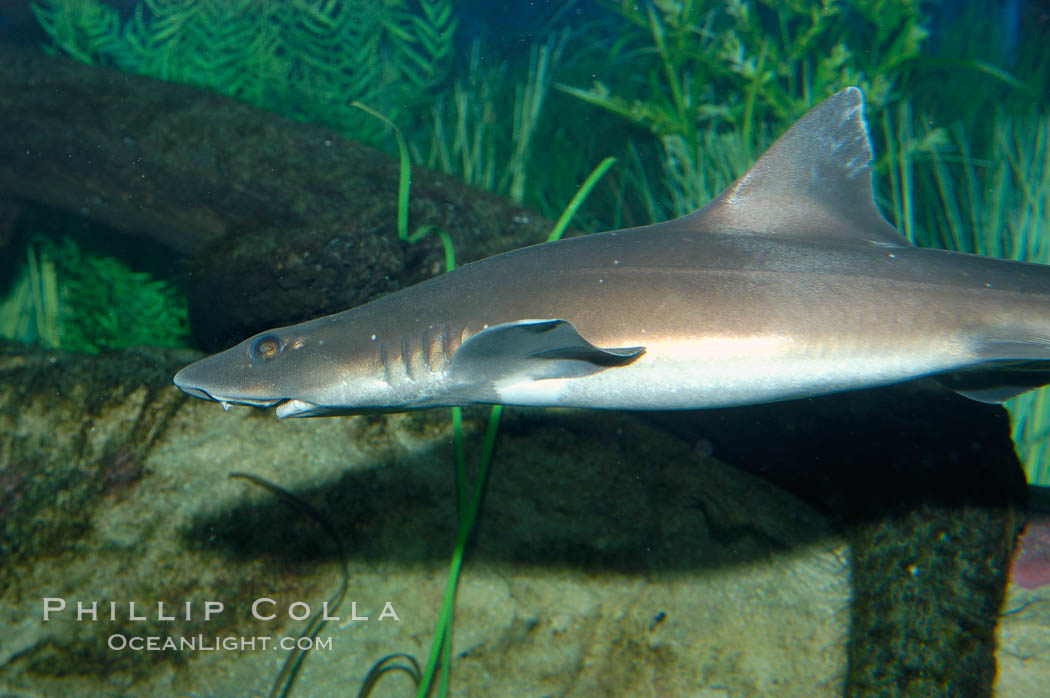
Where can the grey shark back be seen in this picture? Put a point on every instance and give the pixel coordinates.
(789, 284)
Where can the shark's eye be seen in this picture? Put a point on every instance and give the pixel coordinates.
(266, 347)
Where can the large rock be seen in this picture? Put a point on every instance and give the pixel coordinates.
(614, 555)
(611, 559)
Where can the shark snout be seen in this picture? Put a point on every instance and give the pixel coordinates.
(195, 380)
(190, 381)
(184, 381)
(186, 385)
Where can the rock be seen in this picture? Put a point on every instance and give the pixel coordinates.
(930, 495)
(614, 554)
(611, 558)
(1023, 637)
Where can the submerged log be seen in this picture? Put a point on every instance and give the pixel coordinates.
(284, 220)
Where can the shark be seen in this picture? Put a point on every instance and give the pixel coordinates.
(789, 284)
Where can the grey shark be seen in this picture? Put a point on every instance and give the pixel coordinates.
(789, 284)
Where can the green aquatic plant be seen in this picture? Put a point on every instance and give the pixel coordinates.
(404, 186)
(562, 224)
(81, 301)
(995, 202)
(999, 205)
(979, 60)
(528, 105)
(307, 59)
(388, 665)
(107, 305)
(476, 137)
(749, 65)
(695, 175)
(30, 311)
(711, 80)
(465, 125)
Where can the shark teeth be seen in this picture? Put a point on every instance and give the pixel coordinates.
(295, 408)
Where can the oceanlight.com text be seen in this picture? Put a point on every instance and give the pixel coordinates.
(211, 643)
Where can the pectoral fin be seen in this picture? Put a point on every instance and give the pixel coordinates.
(533, 350)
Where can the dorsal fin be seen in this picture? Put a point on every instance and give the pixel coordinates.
(814, 182)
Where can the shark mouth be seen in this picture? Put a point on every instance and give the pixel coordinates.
(286, 407)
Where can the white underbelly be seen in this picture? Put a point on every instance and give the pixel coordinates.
(723, 373)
